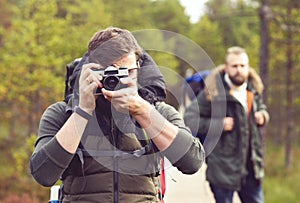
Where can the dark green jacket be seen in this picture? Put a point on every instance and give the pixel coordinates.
(104, 178)
(229, 153)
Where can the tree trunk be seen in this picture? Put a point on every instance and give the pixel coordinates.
(264, 46)
(289, 86)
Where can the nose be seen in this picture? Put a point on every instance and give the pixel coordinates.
(240, 68)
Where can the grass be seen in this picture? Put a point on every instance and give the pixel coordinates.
(281, 184)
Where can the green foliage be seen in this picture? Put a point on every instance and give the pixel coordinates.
(281, 184)
(130, 14)
(161, 49)
(284, 32)
(39, 37)
(212, 45)
(89, 16)
(238, 23)
(169, 15)
(28, 53)
(22, 154)
(16, 181)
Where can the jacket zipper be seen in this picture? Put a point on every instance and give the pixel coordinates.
(116, 186)
(115, 165)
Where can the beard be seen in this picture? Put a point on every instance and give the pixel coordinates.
(237, 79)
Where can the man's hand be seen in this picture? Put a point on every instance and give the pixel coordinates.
(228, 123)
(88, 82)
(259, 118)
(126, 99)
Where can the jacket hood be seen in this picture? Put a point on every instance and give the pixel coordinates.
(212, 84)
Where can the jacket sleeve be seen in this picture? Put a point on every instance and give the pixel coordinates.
(261, 107)
(186, 152)
(49, 159)
(192, 117)
(198, 117)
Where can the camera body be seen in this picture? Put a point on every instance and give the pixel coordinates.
(111, 78)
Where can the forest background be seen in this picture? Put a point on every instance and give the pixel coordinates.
(39, 37)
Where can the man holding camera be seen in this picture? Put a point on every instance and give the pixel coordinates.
(105, 144)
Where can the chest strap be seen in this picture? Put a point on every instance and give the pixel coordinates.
(114, 153)
(109, 153)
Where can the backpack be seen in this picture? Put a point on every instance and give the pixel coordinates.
(194, 84)
(70, 77)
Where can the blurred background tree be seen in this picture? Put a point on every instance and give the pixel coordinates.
(285, 46)
(39, 37)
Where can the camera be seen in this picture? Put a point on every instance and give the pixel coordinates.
(111, 78)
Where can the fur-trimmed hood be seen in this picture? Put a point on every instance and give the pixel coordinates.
(211, 83)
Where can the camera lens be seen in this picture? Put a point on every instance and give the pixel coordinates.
(111, 82)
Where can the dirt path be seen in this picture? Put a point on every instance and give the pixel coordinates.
(188, 188)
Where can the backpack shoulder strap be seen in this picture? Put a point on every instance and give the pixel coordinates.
(72, 71)
(69, 71)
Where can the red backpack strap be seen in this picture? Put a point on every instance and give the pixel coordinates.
(162, 182)
(249, 100)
